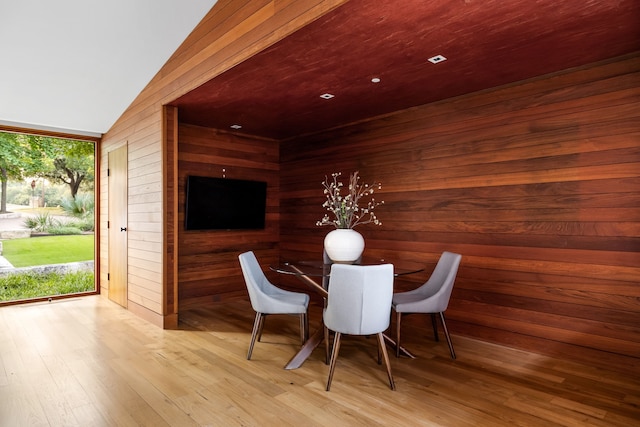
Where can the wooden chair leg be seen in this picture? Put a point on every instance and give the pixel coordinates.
(398, 318)
(434, 323)
(261, 325)
(304, 327)
(334, 356)
(446, 334)
(326, 345)
(257, 329)
(387, 362)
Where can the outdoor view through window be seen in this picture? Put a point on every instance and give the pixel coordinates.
(46, 217)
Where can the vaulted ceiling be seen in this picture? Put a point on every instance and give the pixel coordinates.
(486, 43)
(76, 65)
(76, 68)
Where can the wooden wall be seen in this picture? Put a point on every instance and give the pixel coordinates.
(230, 33)
(208, 267)
(536, 185)
(171, 221)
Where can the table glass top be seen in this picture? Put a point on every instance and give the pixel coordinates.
(320, 269)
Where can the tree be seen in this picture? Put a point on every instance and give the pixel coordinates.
(20, 156)
(9, 152)
(73, 162)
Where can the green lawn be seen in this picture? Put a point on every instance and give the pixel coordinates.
(14, 287)
(48, 250)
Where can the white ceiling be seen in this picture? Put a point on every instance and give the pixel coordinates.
(76, 65)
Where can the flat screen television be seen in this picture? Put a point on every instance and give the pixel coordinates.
(224, 204)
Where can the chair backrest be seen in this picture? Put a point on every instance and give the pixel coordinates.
(440, 285)
(327, 261)
(257, 283)
(359, 301)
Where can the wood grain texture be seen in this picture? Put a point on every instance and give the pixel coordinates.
(170, 248)
(275, 91)
(535, 184)
(208, 267)
(86, 361)
(231, 32)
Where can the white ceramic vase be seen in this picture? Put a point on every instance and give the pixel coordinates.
(344, 245)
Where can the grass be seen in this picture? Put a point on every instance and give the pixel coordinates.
(48, 250)
(41, 251)
(33, 285)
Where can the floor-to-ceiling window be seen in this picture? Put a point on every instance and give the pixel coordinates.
(47, 217)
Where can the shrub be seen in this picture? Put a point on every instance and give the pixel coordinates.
(41, 222)
(19, 193)
(85, 224)
(63, 230)
(19, 199)
(79, 207)
(30, 222)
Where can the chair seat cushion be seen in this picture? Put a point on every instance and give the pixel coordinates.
(284, 302)
(415, 303)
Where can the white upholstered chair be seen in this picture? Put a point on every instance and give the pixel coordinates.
(430, 298)
(359, 303)
(266, 298)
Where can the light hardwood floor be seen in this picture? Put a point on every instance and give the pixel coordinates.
(88, 362)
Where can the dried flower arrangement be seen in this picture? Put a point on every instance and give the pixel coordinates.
(345, 210)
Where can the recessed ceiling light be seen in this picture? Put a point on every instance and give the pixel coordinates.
(326, 96)
(236, 126)
(375, 80)
(436, 59)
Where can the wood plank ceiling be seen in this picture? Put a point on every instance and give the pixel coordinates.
(277, 93)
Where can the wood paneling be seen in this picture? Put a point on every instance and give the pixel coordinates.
(275, 92)
(170, 248)
(230, 33)
(208, 268)
(535, 184)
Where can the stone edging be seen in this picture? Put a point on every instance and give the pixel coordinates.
(71, 267)
(15, 234)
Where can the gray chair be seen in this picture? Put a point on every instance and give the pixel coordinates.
(266, 298)
(430, 298)
(359, 303)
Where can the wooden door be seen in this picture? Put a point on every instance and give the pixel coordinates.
(118, 225)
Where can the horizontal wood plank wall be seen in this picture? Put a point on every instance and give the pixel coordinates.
(208, 267)
(535, 184)
(231, 32)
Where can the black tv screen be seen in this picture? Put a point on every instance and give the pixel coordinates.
(224, 204)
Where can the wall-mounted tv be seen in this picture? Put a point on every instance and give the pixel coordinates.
(224, 204)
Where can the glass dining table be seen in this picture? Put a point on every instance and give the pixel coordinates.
(315, 274)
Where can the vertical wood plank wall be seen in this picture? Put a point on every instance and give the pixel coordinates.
(230, 33)
(208, 267)
(170, 220)
(536, 185)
